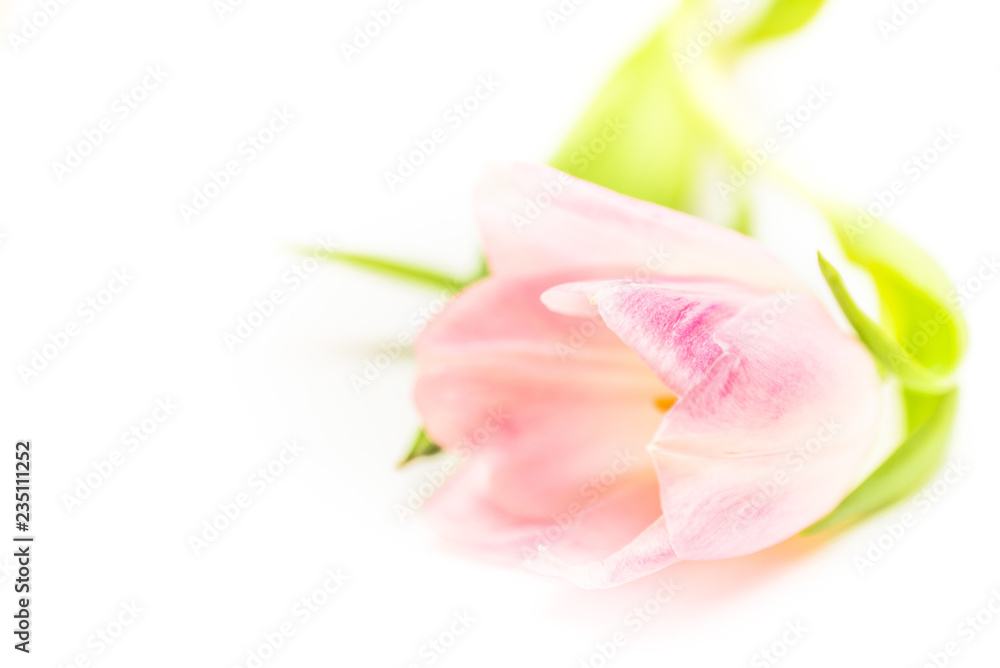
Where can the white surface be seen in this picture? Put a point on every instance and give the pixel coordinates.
(333, 506)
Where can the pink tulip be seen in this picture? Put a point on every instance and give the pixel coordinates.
(632, 387)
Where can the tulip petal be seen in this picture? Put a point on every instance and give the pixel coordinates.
(649, 552)
(777, 408)
(552, 413)
(606, 543)
(535, 218)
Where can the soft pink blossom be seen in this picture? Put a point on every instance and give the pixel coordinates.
(633, 386)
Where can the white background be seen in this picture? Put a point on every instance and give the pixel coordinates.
(162, 337)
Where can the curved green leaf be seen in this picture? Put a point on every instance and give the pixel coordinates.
(919, 306)
(889, 353)
(923, 333)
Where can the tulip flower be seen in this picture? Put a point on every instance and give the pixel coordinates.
(631, 387)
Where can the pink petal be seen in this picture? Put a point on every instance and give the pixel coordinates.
(604, 542)
(777, 407)
(535, 218)
(647, 553)
(540, 421)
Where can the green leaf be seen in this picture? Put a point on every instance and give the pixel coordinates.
(781, 18)
(920, 315)
(908, 469)
(422, 447)
(920, 308)
(638, 136)
(395, 269)
(882, 346)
